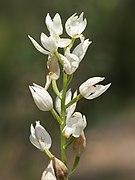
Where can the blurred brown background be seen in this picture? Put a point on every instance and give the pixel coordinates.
(110, 152)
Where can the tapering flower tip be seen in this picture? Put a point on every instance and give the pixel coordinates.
(75, 25)
(49, 173)
(90, 89)
(39, 137)
(54, 23)
(41, 97)
(79, 144)
(60, 169)
(75, 125)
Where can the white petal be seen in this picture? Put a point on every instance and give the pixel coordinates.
(81, 49)
(67, 24)
(48, 21)
(57, 24)
(48, 82)
(82, 26)
(68, 96)
(71, 109)
(48, 43)
(49, 173)
(37, 46)
(58, 101)
(33, 138)
(42, 136)
(100, 89)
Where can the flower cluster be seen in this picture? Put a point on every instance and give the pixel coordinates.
(72, 123)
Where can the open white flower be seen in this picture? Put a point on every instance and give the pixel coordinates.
(90, 89)
(75, 25)
(70, 109)
(39, 137)
(41, 97)
(75, 125)
(49, 173)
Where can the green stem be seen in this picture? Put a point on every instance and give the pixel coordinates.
(70, 77)
(56, 116)
(49, 154)
(55, 88)
(63, 117)
(76, 161)
(58, 57)
(69, 142)
(72, 42)
(77, 98)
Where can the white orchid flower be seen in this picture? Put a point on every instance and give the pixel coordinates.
(70, 109)
(41, 97)
(75, 125)
(75, 25)
(81, 49)
(90, 89)
(49, 173)
(39, 137)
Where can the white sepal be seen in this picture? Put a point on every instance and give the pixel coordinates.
(54, 23)
(39, 137)
(81, 49)
(58, 101)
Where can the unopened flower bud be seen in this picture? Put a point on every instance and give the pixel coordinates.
(60, 169)
(41, 97)
(79, 144)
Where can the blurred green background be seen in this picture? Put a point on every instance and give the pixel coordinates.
(111, 27)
